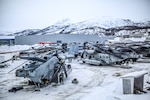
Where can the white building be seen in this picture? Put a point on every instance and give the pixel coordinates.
(7, 40)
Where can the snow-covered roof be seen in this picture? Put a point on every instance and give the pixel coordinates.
(7, 37)
(135, 74)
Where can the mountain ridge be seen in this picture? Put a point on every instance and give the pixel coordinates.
(97, 26)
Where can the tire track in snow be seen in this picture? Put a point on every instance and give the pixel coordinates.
(84, 89)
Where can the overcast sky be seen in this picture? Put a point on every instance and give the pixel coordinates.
(37, 14)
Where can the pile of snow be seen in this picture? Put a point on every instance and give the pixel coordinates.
(5, 48)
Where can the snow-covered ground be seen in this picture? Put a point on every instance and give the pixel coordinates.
(95, 83)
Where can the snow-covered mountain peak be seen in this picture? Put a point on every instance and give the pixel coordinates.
(63, 22)
(103, 25)
(107, 22)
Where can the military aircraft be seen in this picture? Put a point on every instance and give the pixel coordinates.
(42, 71)
(143, 49)
(106, 55)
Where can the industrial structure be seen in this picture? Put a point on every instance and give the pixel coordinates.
(61, 38)
(7, 40)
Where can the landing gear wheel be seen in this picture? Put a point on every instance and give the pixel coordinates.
(69, 66)
(75, 81)
(100, 64)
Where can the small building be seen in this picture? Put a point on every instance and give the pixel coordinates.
(133, 82)
(126, 36)
(7, 40)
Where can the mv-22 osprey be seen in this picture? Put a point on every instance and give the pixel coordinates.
(43, 71)
(106, 55)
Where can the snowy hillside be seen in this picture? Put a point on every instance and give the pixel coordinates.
(102, 26)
